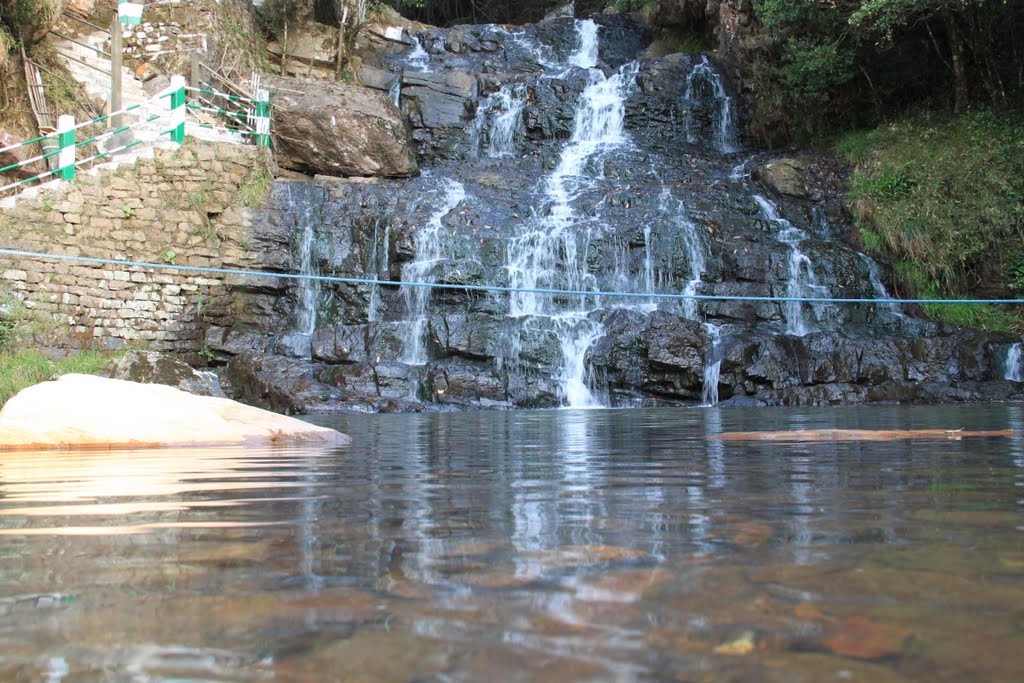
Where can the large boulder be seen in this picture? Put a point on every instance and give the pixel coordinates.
(337, 129)
(83, 411)
(783, 177)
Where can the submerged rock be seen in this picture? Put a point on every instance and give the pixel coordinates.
(83, 411)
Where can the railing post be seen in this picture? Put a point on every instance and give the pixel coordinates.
(116, 61)
(66, 141)
(263, 118)
(177, 106)
(196, 71)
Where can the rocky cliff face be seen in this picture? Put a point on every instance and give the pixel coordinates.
(566, 170)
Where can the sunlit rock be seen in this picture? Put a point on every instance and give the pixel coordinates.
(82, 411)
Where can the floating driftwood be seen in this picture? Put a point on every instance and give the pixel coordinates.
(811, 435)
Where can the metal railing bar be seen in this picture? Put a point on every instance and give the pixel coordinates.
(87, 23)
(33, 179)
(85, 45)
(76, 59)
(26, 162)
(4, 150)
(115, 131)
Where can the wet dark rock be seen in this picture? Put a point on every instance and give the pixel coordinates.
(341, 344)
(622, 39)
(643, 208)
(281, 384)
(149, 367)
(467, 384)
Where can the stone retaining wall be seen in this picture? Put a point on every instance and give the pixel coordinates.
(190, 206)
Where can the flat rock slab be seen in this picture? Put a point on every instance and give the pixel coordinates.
(83, 411)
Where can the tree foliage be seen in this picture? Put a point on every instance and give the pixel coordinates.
(818, 65)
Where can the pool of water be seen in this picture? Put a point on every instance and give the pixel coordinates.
(593, 545)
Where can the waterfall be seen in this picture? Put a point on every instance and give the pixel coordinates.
(802, 280)
(587, 54)
(305, 312)
(395, 91)
(500, 115)
(418, 59)
(712, 366)
(875, 278)
(705, 98)
(1014, 364)
(305, 206)
(430, 250)
(549, 253)
(379, 262)
(740, 172)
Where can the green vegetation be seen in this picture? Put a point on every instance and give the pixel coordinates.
(941, 196)
(821, 66)
(256, 187)
(21, 367)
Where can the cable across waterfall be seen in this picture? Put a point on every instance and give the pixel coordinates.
(559, 164)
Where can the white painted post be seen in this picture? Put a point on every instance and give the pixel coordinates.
(66, 140)
(263, 118)
(177, 108)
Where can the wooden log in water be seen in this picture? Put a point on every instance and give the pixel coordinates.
(815, 435)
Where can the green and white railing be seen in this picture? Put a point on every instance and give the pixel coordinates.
(166, 114)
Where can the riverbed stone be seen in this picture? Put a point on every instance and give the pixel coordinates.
(84, 411)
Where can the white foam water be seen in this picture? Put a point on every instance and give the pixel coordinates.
(802, 282)
(430, 250)
(704, 81)
(1015, 362)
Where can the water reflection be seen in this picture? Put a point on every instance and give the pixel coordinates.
(566, 545)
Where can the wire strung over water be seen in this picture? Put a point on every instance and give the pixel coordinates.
(487, 288)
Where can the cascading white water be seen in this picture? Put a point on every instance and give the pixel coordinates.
(305, 312)
(418, 59)
(430, 250)
(395, 91)
(379, 262)
(305, 202)
(696, 264)
(704, 81)
(587, 54)
(1015, 362)
(549, 254)
(546, 255)
(875, 278)
(696, 261)
(712, 367)
(740, 172)
(501, 116)
(802, 281)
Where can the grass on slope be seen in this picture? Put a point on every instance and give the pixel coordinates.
(20, 369)
(22, 366)
(941, 197)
